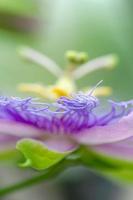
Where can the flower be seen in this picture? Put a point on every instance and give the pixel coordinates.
(68, 123)
(65, 85)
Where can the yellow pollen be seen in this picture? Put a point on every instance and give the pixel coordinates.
(103, 91)
(48, 92)
(36, 89)
(59, 92)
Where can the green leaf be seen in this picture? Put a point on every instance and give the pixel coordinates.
(37, 155)
(98, 160)
(116, 169)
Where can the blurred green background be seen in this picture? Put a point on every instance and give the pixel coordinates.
(52, 27)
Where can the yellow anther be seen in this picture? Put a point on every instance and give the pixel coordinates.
(63, 87)
(103, 91)
(36, 89)
(59, 92)
(67, 84)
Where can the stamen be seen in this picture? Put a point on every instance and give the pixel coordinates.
(37, 89)
(103, 91)
(59, 92)
(108, 62)
(41, 59)
(52, 92)
(67, 84)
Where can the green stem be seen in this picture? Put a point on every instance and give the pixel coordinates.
(50, 173)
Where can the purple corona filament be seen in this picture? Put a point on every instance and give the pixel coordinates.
(66, 116)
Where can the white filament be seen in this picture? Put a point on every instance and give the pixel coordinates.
(107, 61)
(41, 59)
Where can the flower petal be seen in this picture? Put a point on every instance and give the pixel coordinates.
(60, 143)
(18, 129)
(113, 132)
(122, 149)
(11, 132)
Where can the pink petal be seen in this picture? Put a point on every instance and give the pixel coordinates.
(114, 132)
(10, 132)
(60, 143)
(122, 149)
(18, 129)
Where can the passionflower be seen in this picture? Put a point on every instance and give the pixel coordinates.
(47, 132)
(78, 66)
